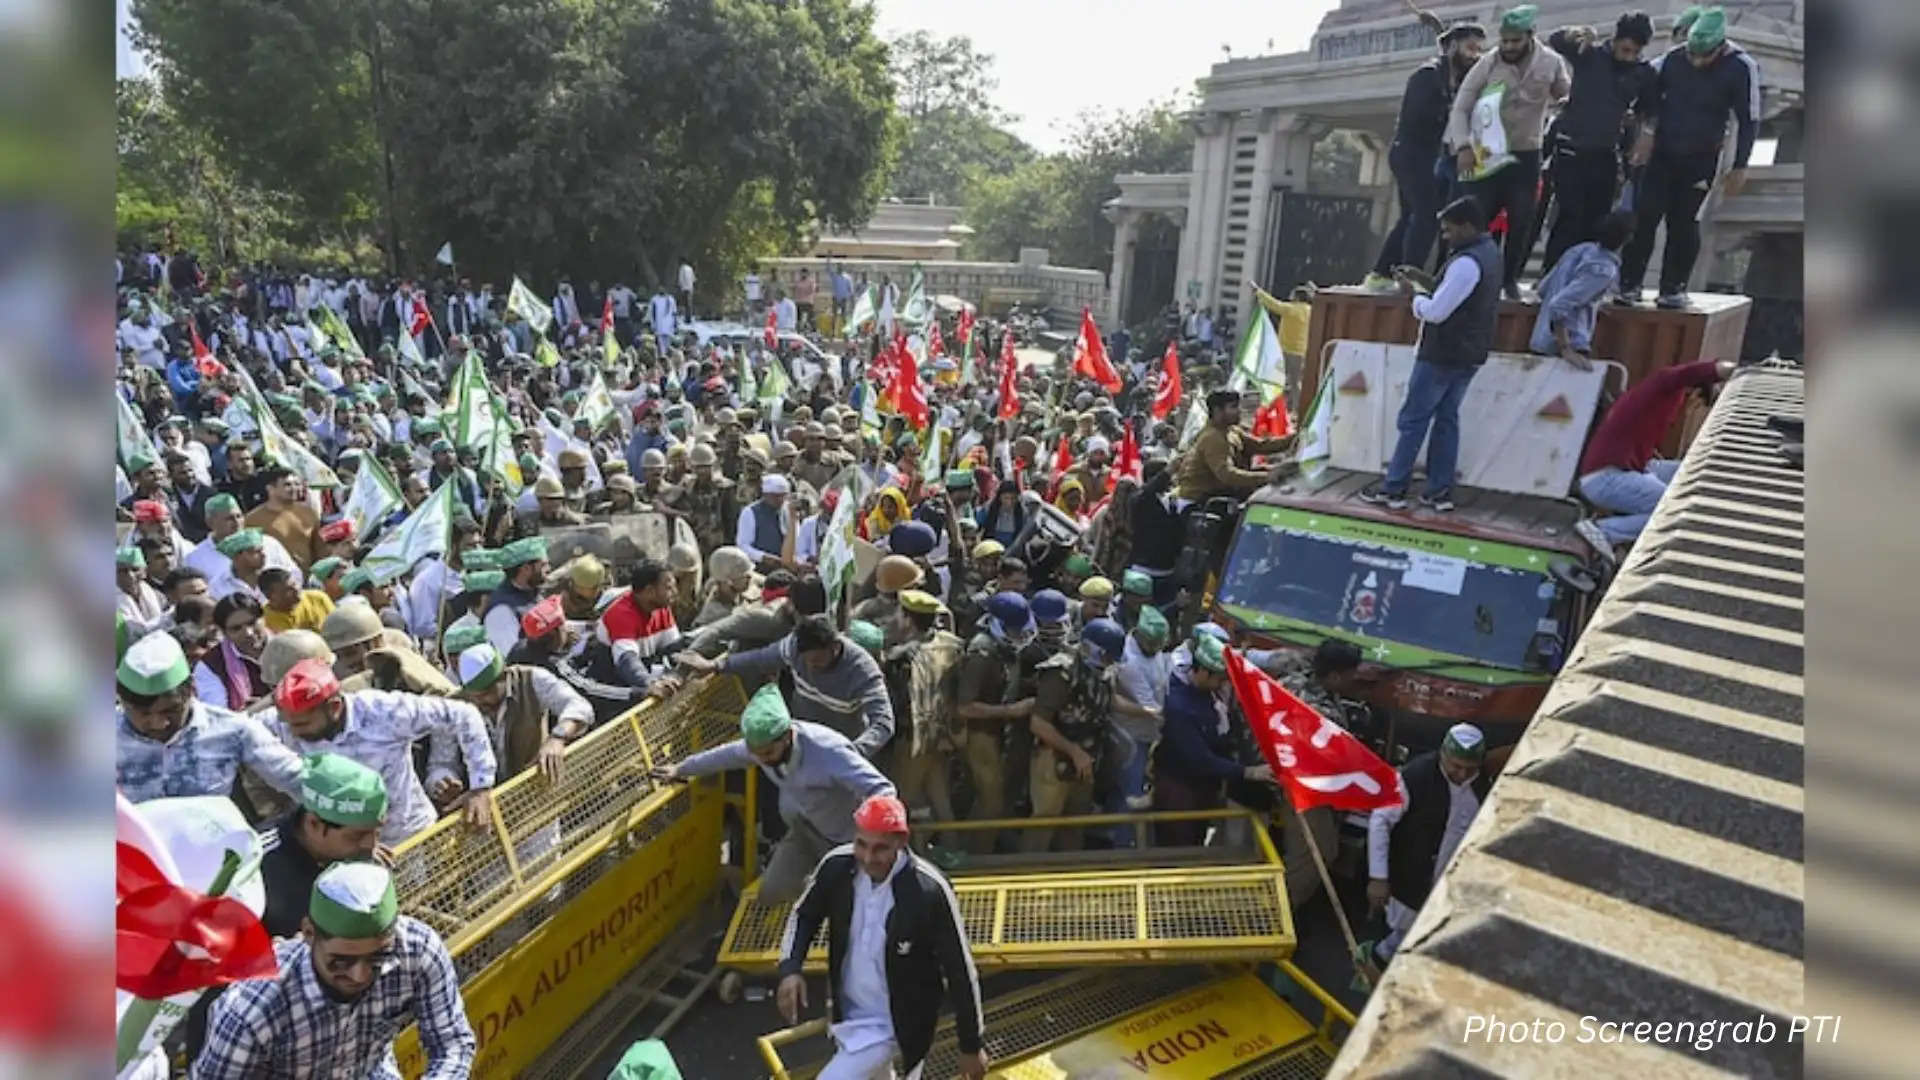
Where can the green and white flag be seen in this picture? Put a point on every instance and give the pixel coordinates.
(472, 405)
(1316, 439)
(864, 311)
(278, 445)
(1196, 422)
(836, 549)
(869, 408)
(130, 435)
(423, 533)
(773, 387)
(537, 312)
(917, 311)
(410, 354)
(1259, 363)
(373, 497)
(544, 353)
(596, 405)
(336, 330)
(932, 460)
(497, 459)
(749, 386)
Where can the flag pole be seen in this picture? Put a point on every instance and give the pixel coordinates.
(1367, 970)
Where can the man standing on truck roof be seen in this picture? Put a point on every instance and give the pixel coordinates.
(1454, 342)
(1218, 461)
(1409, 845)
(895, 940)
(1619, 471)
(821, 777)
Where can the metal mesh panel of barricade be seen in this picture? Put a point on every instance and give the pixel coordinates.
(484, 889)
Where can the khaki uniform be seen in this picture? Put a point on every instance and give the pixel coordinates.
(922, 676)
(1079, 705)
(709, 510)
(819, 473)
(991, 676)
(1216, 464)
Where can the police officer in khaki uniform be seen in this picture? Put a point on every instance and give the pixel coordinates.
(707, 500)
(1073, 703)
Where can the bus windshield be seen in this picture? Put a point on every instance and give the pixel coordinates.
(1477, 599)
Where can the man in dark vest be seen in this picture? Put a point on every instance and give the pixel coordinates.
(531, 713)
(1409, 845)
(525, 562)
(763, 526)
(1454, 340)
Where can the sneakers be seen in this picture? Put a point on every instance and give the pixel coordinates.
(1589, 531)
(1511, 290)
(1378, 282)
(1671, 301)
(1627, 299)
(1439, 502)
(1380, 496)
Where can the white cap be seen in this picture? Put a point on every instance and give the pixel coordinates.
(774, 484)
(1098, 444)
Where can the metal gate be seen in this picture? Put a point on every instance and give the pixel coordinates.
(1156, 259)
(1325, 239)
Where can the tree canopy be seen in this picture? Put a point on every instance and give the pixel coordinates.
(953, 134)
(597, 136)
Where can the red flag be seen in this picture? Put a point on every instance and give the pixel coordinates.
(1009, 389)
(422, 318)
(606, 317)
(1127, 462)
(170, 939)
(1271, 420)
(963, 331)
(935, 346)
(1317, 760)
(1169, 395)
(909, 396)
(202, 356)
(1090, 355)
(771, 335)
(1062, 461)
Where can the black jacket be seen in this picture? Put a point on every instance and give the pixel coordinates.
(1603, 91)
(1158, 534)
(1691, 104)
(1415, 843)
(926, 949)
(288, 873)
(1424, 107)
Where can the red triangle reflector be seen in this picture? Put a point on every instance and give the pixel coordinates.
(1557, 409)
(1356, 384)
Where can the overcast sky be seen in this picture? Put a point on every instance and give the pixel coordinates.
(1057, 58)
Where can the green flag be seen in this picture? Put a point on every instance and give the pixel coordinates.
(596, 405)
(423, 533)
(774, 386)
(932, 461)
(536, 311)
(472, 405)
(130, 435)
(342, 337)
(749, 386)
(544, 353)
(277, 444)
(1316, 440)
(864, 311)
(373, 497)
(836, 548)
(1259, 364)
(917, 311)
(410, 354)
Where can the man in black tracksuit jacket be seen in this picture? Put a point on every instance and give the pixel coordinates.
(1415, 150)
(876, 897)
(1697, 85)
(1609, 81)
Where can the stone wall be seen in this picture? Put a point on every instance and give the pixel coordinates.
(1064, 289)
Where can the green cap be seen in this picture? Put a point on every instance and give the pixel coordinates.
(529, 466)
(1209, 653)
(1152, 625)
(1464, 741)
(959, 478)
(282, 401)
(1708, 32)
(440, 446)
(341, 791)
(461, 638)
(357, 578)
(866, 635)
(765, 718)
(1136, 582)
(244, 540)
(481, 559)
(325, 568)
(521, 552)
(480, 666)
(213, 425)
(1519, 19)
(647, 1059)
(1080, 566)
(153, 665)
(354, 900)
(223, 504)
(129, 556)
(139, 461)
(426, 425)
(482, 580)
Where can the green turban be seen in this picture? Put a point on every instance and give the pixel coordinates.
(1519, 20)
(244, 540)
(354, 900)
(341, 791)
(1080, 566)
(222, 504)
(461, 638)
(1152, 626)
(1708, 32)
(521, 552)
(131, 557)
(480, 559)
(153, 665)
(647, 1059)
(765, 718)
(866, 635)
(1210, 654)
(1688, 17)
(482, 580)
(357, 578)
(140, 461)
(1136, 582)
(325, 568)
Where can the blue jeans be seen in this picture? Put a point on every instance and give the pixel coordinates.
(1130, 787)
(1433, 399)
(1630, 495)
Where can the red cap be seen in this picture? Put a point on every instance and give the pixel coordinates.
(645, 409)
(831, 500)
(543, 618)
(148, 511)
(309, 685)
(335, 531)
(881, 814)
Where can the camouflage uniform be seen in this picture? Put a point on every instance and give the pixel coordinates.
(709, 510)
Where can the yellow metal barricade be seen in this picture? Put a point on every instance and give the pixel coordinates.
(1180, 1023)
(1119, 914)
(574, 882)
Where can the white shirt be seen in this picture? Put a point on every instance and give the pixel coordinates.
(662, 309)
(785, 314)
(686, 278)
(1455, 286)
(226, 584)
(622, 301)
(503, 628)
(863, 976)
(743, 531)
(432, 583)
(562, 702)
(208, 560)
(1462, 805)
(146, 342)
(752, 282)
(806, 548)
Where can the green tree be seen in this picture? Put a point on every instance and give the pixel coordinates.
(1055, 201)
(952, 131)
